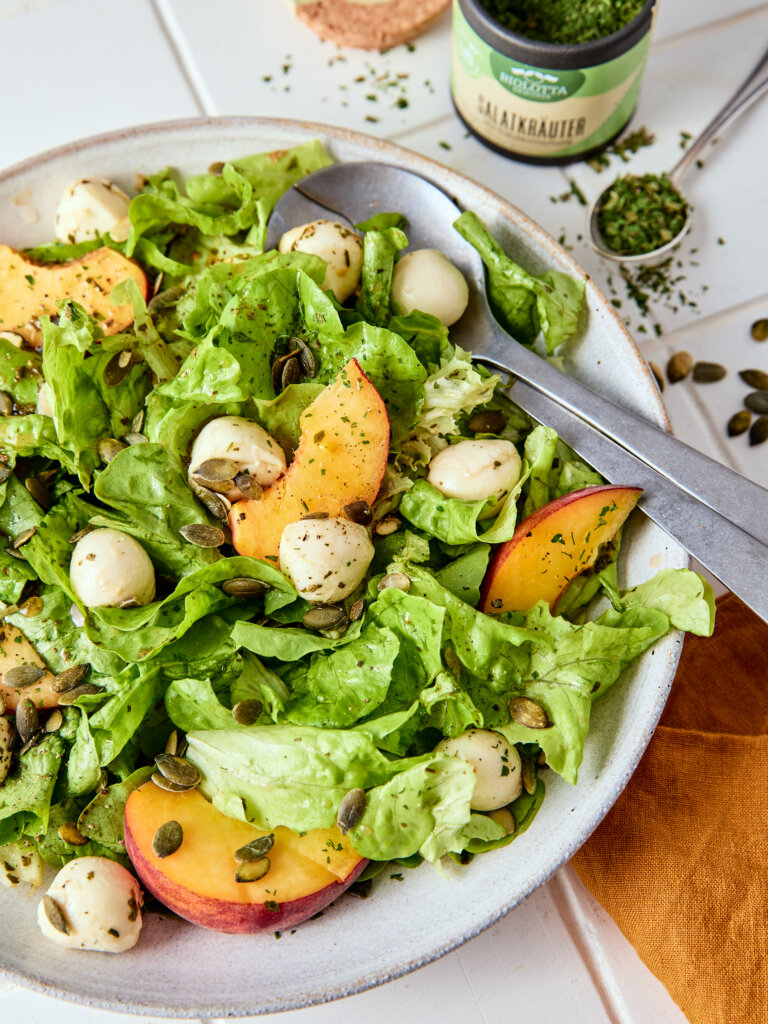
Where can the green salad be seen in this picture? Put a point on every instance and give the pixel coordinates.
(363, 696)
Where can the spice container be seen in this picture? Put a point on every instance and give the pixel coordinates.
(545, 102)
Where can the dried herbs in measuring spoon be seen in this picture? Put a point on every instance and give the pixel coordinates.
(640, 213)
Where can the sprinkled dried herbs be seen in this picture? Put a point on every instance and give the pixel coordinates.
(640, 213)
(561, 21)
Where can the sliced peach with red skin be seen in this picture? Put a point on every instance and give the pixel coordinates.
(31, 290)
(552, 546)
(341, 458)
(16, 650)
(306, 872)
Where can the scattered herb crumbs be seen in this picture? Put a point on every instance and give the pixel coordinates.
(444, 145)
(685, 138)
(398, 876)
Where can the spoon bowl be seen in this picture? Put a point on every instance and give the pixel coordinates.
(602, 249)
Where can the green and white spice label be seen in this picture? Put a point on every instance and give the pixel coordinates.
(541, 112)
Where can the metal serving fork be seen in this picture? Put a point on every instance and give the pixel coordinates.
(720, 517)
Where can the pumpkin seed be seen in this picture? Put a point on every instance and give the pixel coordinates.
(130, 602)
(108, 448)
(758, 432)
(216, 168)
(528, 775)
(14, 553)
(39, 492)
(167, 839)
(757, 379)
(657, 374)
(252, 870)
(172, 743)
(249, 486)
(738, 423)
(6, 404)
(170, 787)
(679, 366)
(489, 421)
(306, 358)
(357, 609)
(759, 330)
(256, 849)
(21, 676)
(291, 373)
(202, 535)
(164, 299)
(71, 834)
(453, 662)
(118, 368)
(70, 678)
(247, 712)
(324, 616)
(178, 770)
(386, 526)
(76, 692)
(55, 915)
(503, 816)
(217, 504)
(244, 587)
(33, 740)
(5, 471)
(137, 422)
(24, 536)
(398, 580)
(54, 721)
(216, 474)
(757, 401)
(708, 373)
(359, 512)
(277, 374)
(80, 534)
(314, 515)
(528, 712)
(541, 759)
(32, 606)
(7, 738)
(350, 810)
(134, 437)
(26, 718)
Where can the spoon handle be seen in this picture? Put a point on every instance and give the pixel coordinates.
(733, 496)
(752, 89)
(730, 554)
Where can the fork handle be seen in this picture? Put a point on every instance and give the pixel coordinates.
(730, 554)
(737, 499)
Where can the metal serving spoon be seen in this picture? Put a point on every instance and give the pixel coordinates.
(752, 89)
(719, 516)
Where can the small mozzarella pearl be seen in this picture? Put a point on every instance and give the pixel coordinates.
(325, 559)
(108, 567)
(248, 445)
(475, 470)
(426, 280)
(496, 764)
(340, 247)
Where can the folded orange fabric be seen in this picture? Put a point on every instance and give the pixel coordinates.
(681, 861)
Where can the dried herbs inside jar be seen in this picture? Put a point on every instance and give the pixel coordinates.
(563, 21)
(640, 213)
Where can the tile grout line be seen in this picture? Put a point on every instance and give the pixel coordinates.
(717, 25)
(713, 319)
(196, 85)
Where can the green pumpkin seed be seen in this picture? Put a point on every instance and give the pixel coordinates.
(757, 401)
(70, 678)
(256, 849)
(118, 368)
(178, 770)
(5, 471)
(76, 692)
(252, 870)
(657, 374)
(21, 676)
(26, 718)
(453, 662)
(679, 366)
(134, 437)
(314, 515)
(130, 602)
(7, 741)
(387, 526)
(54, 721)
(202, 535)
(359, 512)
(528, 775)
(708, 373)
(528, 713)
(137, 422)
(217, 504)
(398, 580)
(170, 787)
(351, 810)
(167, 840)
(216, 168)
(33, 740)
(759, 330)
(108, 448)
(357, 609)
(172, 743)
(757, 379)
(32, 606)
(306, 358)
(247, 712)
(249, 487)
(39, 492)
(14, 553)
(71, 834)
(324, 616)
(23, 537)
(245, 587)
(489, 421)
(291, 373)
(55, 915)
(758, 432)
(215, 471)
(80, 534)
(739, 423)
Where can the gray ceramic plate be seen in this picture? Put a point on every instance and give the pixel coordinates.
(178, 970)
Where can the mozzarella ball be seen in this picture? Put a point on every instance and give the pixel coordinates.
(246, 443)
(426, 280)
(475, 470)
(108, 567)
(325, 559)
(45, 400)
(496, 763)
(101, 903)
(91, 207)
(340, 247)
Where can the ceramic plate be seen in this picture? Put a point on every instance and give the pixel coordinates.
(178, 970)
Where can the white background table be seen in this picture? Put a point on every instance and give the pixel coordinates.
(71, 68)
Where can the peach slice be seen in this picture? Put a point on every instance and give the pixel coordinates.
(306, 873)
(341, 458)
(29, 290)
(553, 545)
(15, 649)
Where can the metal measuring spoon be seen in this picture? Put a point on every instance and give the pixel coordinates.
(752, 89)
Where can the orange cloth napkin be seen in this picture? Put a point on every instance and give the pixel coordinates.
(681, 861)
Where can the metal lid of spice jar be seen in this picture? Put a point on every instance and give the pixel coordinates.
(546, 101)
(370, 24)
